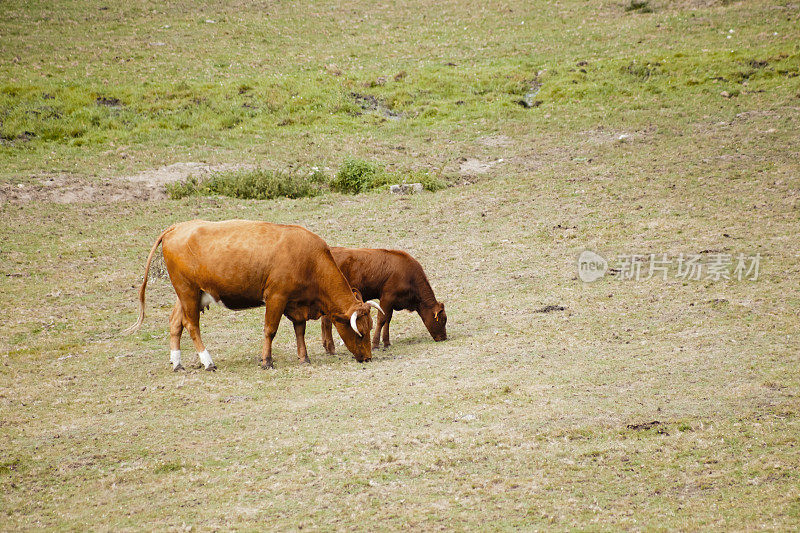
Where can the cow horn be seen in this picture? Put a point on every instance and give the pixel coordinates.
(376, 306)
(353, 323)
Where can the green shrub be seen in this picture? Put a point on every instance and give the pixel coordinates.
(256, 184)
(356, 175)
(182, 189)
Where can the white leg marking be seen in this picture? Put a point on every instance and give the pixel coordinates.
(175, 358)
(205, 358)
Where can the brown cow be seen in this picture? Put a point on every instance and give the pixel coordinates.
(398, 280)
(243, 264)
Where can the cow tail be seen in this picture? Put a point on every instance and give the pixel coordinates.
(138, 323)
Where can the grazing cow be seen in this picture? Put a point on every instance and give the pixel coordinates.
(398, 280)
(243, 264)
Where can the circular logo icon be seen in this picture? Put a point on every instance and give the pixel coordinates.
(591, 266)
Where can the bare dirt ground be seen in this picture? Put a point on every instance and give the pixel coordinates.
(146, 185)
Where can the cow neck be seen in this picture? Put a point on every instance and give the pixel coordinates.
(426, 297)
(335, 293)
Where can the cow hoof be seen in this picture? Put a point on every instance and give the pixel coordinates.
(212, 367)
(305, 361)
(266, 367)
(177, 368)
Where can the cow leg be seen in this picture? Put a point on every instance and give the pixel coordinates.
(376, 335)
(175, 330)
(191, 311)
(327, 335)
(387, 304)
(388, 317)
(300, 333)
(272, 317)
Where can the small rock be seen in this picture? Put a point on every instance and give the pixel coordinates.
(725, 94)
(406, 188)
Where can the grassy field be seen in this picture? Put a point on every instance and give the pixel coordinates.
(659, 404)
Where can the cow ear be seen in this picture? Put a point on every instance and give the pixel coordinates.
(438, 308)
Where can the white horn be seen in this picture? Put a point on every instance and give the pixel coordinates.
(353, 323)
(376, 306)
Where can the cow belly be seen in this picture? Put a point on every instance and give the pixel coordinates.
(234, 302)
(238, 302)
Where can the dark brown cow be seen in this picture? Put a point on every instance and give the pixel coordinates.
(398, 280)
(243, 264)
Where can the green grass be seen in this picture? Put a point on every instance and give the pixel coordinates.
(120, 98)
(522, 419)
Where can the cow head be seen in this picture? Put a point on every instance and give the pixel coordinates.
(435, 319)
(354, 328)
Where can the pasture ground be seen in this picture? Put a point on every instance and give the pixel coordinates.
(672, 131)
